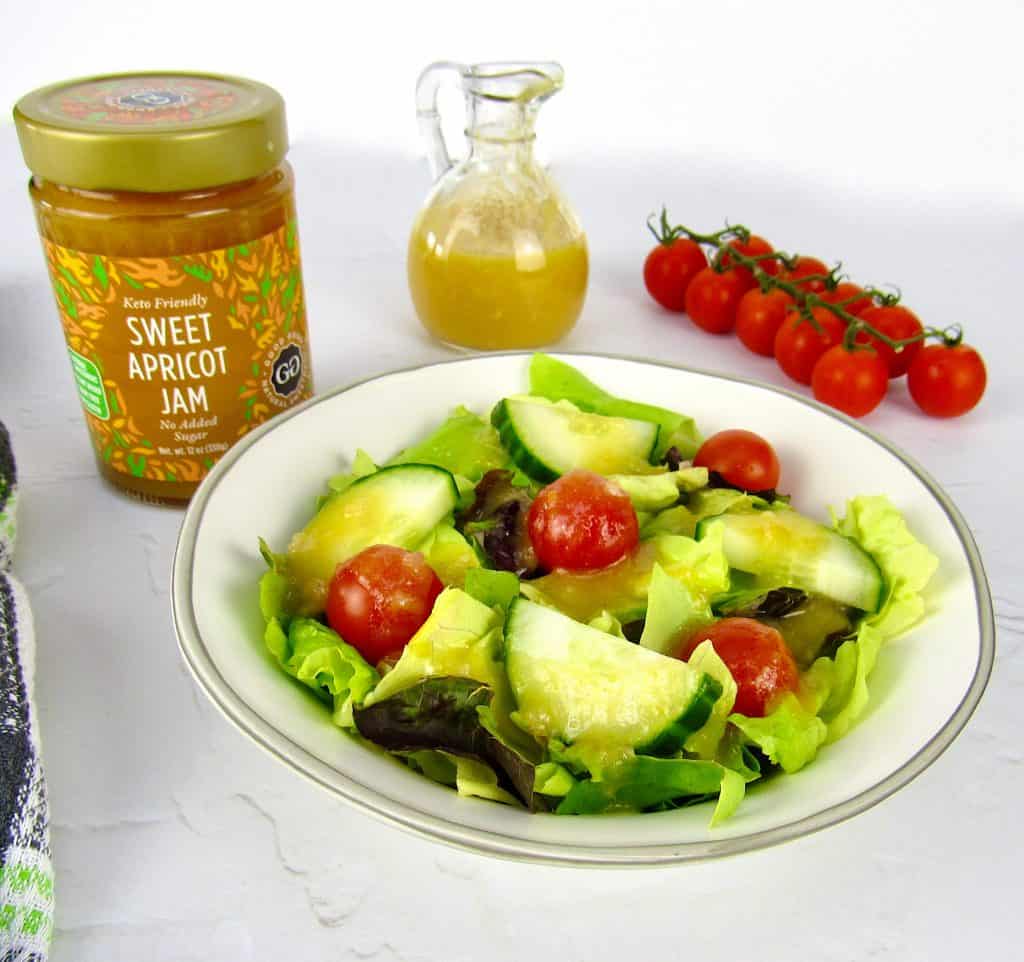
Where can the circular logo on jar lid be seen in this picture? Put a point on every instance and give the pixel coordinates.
(150, 98)
(145, 101)
(286, 371)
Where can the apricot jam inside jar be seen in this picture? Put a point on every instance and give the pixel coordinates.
(167, 216)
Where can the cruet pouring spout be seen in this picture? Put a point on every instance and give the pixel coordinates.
(502, 99)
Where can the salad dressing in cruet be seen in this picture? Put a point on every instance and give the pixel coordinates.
(497, 258)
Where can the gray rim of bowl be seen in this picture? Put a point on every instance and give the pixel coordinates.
(405, 816)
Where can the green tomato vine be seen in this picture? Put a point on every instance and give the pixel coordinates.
(726, 258)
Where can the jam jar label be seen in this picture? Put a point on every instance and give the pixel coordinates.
(176, 358)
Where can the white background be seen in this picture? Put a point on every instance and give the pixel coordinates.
(877, 95)
(884, 134)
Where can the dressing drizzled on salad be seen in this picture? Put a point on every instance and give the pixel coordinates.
(579, 605)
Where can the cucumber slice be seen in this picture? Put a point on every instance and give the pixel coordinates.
(548, 439)
(584, 687)
(787, 549)
(397, 505)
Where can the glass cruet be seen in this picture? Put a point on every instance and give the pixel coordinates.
(497, 258)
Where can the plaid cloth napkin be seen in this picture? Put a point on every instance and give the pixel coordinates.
(26, 876)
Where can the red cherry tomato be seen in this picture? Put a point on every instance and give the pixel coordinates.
(753, 246)
(898, 323)
(852, 381)
(712, 299)
(854, 294)
(798, 345)
(582, 522)
(668, 270)
(757, 658)
(758, 318)
(378, 599)
(741, 458)
(946, 382)
(805, 267)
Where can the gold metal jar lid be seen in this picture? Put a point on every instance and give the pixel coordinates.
(152, 132)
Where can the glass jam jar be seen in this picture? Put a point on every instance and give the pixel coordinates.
(167, 216)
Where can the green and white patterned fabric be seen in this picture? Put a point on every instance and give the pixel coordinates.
(26, 875)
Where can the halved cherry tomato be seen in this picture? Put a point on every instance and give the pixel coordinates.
(378, 599)
(853, 294)
(806, 267)
(712, 299)
(946, 382)
(741, 458)
(757, 658)
(852, 381)
(582, 522)
(668, 270)
(758, 318)
(798, 345)
(896, 322)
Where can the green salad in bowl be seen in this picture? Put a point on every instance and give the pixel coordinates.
(576, 604)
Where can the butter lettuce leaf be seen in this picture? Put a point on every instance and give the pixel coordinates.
(470, 777)
(496, 589)
(362, 466)
(461, 638)
(607, 622)
(789, 735)
(686, 576)
(318, 657)
(672, 613)
(553, 779)
(449, 554)
(705, 742)
(465, 444)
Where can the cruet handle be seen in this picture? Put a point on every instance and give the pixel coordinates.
(427, 87)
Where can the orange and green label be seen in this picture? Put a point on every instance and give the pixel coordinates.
(176, 358)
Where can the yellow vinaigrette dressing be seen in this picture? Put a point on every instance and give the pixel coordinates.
(494, 301)
(496, 257)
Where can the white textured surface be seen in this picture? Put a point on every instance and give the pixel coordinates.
(176, 839)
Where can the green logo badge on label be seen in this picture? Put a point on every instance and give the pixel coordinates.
(90, 386)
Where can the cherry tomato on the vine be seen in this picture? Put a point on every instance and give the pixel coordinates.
(896, 322)
(852, 381)
(798, 345)
(378, 599)
(741, 458)
(807, 267)
(946, 382)
(758, 318)
(712, 299)
(757, 658)
(858, 301)
(668, 270)
(582, 522)
(753, 246)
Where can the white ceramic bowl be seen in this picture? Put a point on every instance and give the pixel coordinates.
(923, 689)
